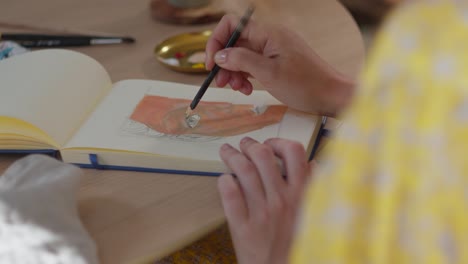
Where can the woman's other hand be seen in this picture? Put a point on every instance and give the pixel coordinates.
(259, 202)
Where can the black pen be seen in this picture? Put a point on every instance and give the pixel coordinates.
(43, 40)
(231, 42)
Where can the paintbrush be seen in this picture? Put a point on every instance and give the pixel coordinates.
(231, 42)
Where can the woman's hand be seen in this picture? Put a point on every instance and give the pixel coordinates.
(282, 62)
(259, 203)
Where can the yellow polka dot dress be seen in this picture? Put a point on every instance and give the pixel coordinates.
(393, 186)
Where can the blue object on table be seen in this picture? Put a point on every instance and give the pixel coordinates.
(5, 53)
(10, 48)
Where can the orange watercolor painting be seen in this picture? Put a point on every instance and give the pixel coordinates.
(167, 115)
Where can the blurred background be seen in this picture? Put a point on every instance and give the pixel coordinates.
(369, 14)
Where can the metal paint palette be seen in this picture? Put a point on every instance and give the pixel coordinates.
(184, 52)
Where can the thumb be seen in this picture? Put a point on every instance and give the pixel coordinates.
(245, 60)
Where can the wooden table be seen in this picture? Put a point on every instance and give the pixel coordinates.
(143, 216)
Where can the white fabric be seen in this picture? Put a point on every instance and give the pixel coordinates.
(39, 220)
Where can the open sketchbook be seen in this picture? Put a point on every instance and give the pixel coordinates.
(63, 101)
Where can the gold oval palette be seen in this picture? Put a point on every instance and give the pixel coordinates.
(184, 52)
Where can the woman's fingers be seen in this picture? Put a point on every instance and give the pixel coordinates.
(267, 166)
(247, 176)
(294, 160)
(260, 206)
(234, 203)
(251, 36)
(241, 59)
(246, 88)
(222, 78)
(237, 80)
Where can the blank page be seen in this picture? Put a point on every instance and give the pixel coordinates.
(54, 90)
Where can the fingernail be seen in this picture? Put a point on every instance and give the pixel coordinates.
(231, 83)
(243, 89)
(246, 140)
(225, 146)
(246, 90)
(221, 56)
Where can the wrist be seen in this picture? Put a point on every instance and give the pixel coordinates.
(340, 90)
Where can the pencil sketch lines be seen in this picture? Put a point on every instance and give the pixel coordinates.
(134, 128)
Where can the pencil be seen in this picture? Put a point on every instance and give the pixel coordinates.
(43, 40)
(231, 42)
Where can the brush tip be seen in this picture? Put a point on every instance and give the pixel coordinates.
(188, 112)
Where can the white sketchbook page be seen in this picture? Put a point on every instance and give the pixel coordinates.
(54, 90)
(106, 126)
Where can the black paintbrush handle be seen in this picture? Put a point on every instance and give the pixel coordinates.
(39, 40)
(231, 42)
(37, 37)
(204, 86)
(53, 43)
